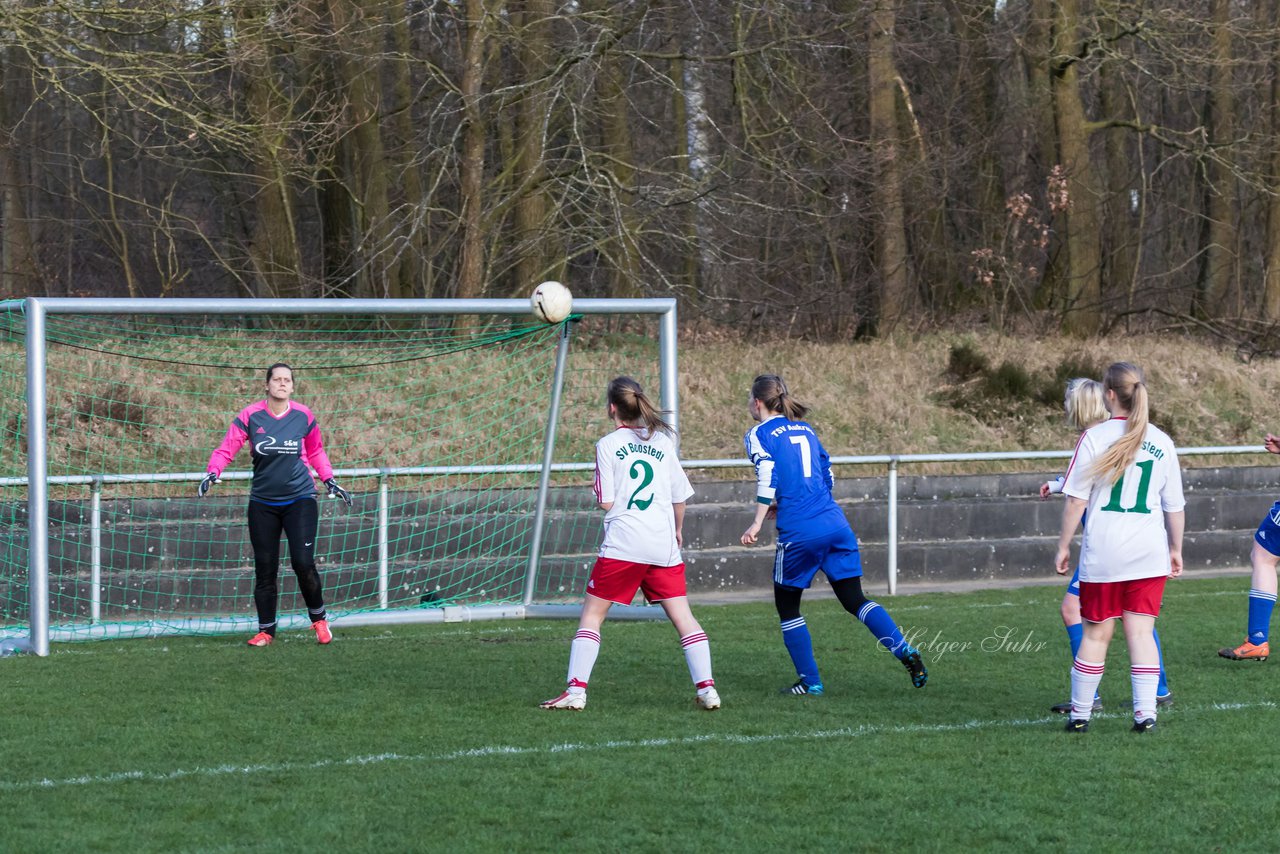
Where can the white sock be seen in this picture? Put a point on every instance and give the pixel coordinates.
(582, 658)
(697, 654)
(1085, 677)
(1145, 678)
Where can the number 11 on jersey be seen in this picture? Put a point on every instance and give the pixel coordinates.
(1140, 501)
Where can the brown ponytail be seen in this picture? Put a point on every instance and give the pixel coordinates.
(635, 409)
(1130, 386)
(770, 390)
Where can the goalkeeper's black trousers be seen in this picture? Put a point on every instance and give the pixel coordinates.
(299, 522)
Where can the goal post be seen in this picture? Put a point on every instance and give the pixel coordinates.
(115, 431)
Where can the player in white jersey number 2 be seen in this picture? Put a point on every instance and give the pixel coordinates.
(1125, 474)
(642, 489)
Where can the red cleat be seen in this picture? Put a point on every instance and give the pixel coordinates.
(323, 635)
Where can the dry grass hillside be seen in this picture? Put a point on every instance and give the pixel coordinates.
(970, 391)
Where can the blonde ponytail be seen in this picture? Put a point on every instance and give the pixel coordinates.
(1130, 387)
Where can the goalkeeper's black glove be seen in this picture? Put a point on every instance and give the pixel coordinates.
(336, 491)
(209, 480)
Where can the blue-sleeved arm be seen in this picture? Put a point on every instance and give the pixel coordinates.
(760, 457)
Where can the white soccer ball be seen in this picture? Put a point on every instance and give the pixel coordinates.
(551, 302)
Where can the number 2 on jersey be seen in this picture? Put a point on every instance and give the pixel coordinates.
(1140, 502)
(806, 454)
(645, 474)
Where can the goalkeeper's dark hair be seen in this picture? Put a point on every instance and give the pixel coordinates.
(770, 390)
(635, 409)
(1130, 386)
(271, 370)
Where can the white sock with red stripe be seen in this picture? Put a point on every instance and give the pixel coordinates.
(1145, 678)
(1085, 678)
(697, 653)
(582, 658)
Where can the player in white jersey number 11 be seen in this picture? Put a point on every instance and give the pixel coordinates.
(1125, 474)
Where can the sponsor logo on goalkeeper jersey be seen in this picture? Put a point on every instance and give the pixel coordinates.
(269, 446)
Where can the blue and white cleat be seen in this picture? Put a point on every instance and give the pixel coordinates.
(802, 687)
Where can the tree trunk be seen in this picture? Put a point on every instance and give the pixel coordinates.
(688, 233)
(413, 281)
(619, 159)
(1219, 293)
(1271, 293)
(695, 135)
(1082, 247)
(891, 237)
(358, 35)
(976, 76)
(277, 259)
(535, 261)
(18, 277)
(471, 269)
(1120, 265)
(1039, 58)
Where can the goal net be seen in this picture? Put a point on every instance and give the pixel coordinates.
(437, 424)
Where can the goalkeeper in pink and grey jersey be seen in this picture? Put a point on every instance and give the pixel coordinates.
(285, 444)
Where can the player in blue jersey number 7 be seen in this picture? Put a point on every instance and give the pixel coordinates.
(793, 483)
(643, 489)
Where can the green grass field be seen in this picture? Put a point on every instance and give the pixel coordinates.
(427, 738)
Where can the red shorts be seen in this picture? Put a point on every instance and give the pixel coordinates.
(618, 580)
(1107, 600)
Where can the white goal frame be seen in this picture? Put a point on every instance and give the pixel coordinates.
(37, 480)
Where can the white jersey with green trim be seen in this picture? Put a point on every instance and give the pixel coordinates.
(1124, 530)
(640, 474)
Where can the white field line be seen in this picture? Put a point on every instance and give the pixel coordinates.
(127, 647)
(498, 750)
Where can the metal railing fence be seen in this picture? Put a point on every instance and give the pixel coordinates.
(891, 462)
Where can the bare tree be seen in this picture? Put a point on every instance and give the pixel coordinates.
(891, 239)
(18, 265)
(1218, 296)
(1271, 288)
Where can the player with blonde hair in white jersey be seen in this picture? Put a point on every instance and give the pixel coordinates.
(1085, 406)
(1125, 474)
(643, 489)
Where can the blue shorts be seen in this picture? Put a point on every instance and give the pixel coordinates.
(1268, 533)
(1074, 587)
(796, 562)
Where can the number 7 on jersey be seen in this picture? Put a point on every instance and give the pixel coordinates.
(806, 454)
